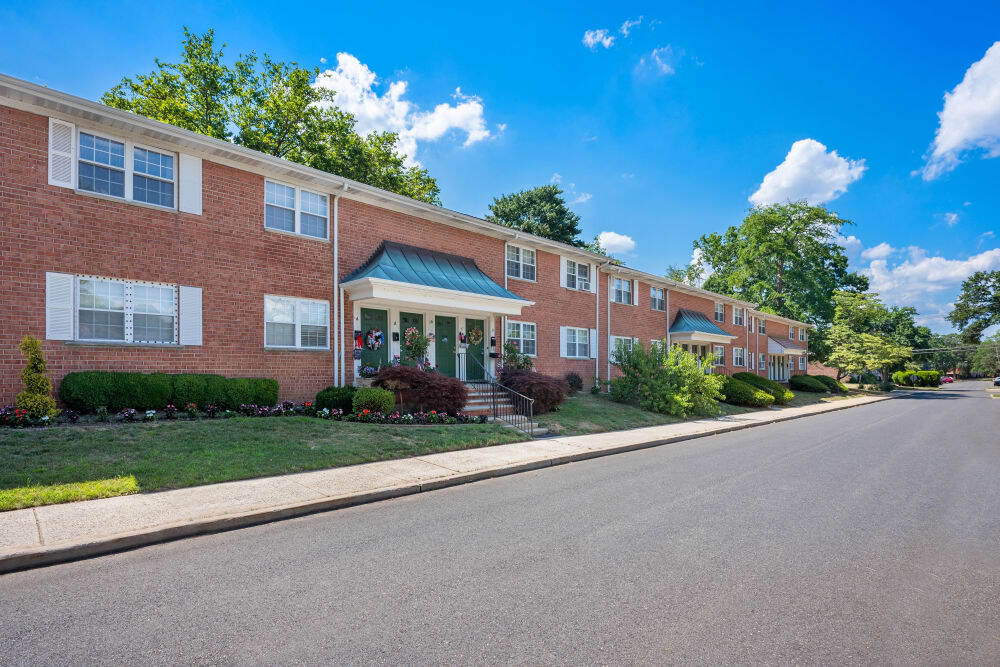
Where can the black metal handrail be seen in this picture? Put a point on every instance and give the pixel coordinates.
(518, 410)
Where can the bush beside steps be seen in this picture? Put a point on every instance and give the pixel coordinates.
(738, 392)
(779, 391)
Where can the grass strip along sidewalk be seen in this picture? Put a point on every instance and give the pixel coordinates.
(68, 463)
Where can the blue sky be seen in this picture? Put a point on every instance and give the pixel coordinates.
(659, 129)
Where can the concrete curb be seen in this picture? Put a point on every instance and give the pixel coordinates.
(69, 551)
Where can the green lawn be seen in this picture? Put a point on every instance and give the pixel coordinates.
(586, 413)
(66, 463)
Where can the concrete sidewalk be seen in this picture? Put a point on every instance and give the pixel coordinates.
(54, 533)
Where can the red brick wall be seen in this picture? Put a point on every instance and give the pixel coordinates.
(226, 252)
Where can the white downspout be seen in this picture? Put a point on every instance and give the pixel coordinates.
(667, 295)
(609, 326)
(342, 364)
(597, 323)
(337, 360)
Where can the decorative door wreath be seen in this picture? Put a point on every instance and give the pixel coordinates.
(374, 339)
(475, 336)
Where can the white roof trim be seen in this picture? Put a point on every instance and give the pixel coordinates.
(774, 347)
(380, 289)
(699, 337)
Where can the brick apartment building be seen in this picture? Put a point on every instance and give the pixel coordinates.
(130, 244)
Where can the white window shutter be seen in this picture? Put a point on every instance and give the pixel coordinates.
(62, 159)
(562, 342)
(58, 306)
(562, 271)
(593, 343)
(635, 292)
(190, 315)
(189, 181)
(593, 278)
(611, 288)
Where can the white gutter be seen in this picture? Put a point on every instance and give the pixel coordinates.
(337, 337)
(342, 364)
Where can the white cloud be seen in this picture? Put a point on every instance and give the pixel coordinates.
(616, 243)
(970, 118)
(582, 198)
(950, 219)
(661, 60)
(982, 238)
(594, 38)
(881, 251)
(808, 172)
(556, 178)
(851, 244)
(628, 25)
(322, 60)
(928, 284)
(628, 176)
(355, 86)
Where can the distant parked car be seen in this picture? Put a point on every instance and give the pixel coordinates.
(996, 381)
(947, 379)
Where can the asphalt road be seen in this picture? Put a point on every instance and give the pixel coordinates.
(865, 535)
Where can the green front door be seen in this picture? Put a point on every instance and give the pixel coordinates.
(474, 355)
(444, 344)
(407, 320)
(374, 319)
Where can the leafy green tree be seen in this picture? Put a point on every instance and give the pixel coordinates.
(541, 211)
(784, 257)
(986, 358)
(855, 343)
(950, 355)
(272, 107)
(978, 305)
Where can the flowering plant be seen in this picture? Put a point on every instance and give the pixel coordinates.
(211, 411)
(150, 416)
(368, 372)
(192, 410)
(127, 415)
(415, 344)
(170, 411)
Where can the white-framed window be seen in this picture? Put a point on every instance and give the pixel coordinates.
(116, 168)
(761, 326)
(125, 311)
(762, 361)
(295, 210)
(791, 333)
(802, 333)
(737, 316)
(577, 343)
(657, 343)
(291, 322)
(577, 275)
(720, 312)
(802, 363)
(739, 356)
(656, 301)
(524, 335)
(750, 360)
(520, 263)
(624, 341)
(718, 355)
(623, 291)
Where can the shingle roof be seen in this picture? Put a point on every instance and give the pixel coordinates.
(692, 320)
(419, 266)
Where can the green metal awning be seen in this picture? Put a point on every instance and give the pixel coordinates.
(691, 321)
(399, 272)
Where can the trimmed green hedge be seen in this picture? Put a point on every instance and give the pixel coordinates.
(85, 391)
(738, 392)
(807, 383)
(831, 384)
(374, 399)
(917, 378)
(780, 392)
(336, 398)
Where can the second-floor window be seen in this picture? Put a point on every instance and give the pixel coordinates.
(577, 275)
(520, 263)
(623, 291)
(802, 333)
(295, 210)
(720, 312)
(791, 333)
(761, 326)
(109, 167)
(738, 316)
(656, 298)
